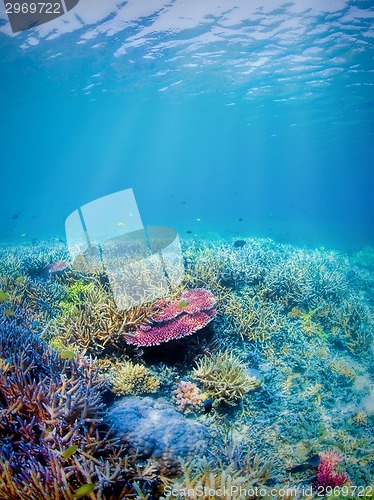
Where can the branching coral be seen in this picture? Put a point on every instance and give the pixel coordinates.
(364, 258)
(253, 317)
(92, 321)
(224, 377)
(327, 476)
(308, 325)
(201, 478)
(52, 438)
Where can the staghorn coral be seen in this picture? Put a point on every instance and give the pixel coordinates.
(188, 396)
(360, 418)
(53, 440)
(343, 368)
(253, 317)
(191, 312)
(233, 479)
(91, 320)
(308, 325)
(224, 377)
(132, 378)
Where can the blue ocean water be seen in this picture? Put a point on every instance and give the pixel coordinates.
(240, 118)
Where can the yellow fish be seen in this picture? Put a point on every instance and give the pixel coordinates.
(20, 280)
(121, 224)
(183, 303)
(67, 354)
(84, 490)
(8, 312)
(3, 297)
(69, 451)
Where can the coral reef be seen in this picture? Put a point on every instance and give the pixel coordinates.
(224, 377)
(301, 320)
(154, 428)
(192, 312)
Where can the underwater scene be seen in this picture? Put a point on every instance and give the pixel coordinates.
(187, 250)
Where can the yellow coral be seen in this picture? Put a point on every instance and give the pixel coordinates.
(225, 377)
(343, 368)
(4, 365)
(308, 326)
(360, 418)
(133, 378)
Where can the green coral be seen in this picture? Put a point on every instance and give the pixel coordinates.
(75, 295)
(308, 325)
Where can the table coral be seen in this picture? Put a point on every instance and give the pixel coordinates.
(192, 312)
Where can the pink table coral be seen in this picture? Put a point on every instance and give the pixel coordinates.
(192, 312)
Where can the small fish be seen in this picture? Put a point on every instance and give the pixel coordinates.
(9, 360)
(67, 354)
(189, 232)
(208, 405)
(69, 452)
(3, 297)
(299, 468)
(314, 460)
(8, 312)
(183, 303)
(54, 267)
(240, 219)
(121, 224)
(84, 490)
(23, 235)
(35, 324)
(15, 216)
(20, 280)
(239, 243)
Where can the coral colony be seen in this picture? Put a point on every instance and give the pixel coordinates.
(326, 473)
(192, 312)
(255, 374)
